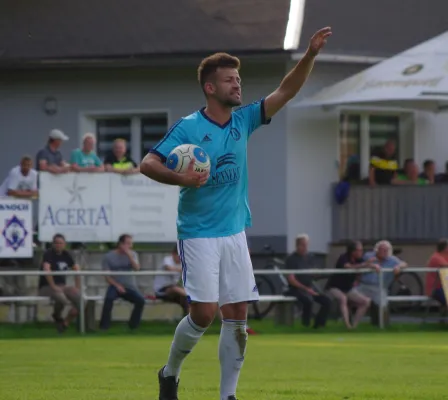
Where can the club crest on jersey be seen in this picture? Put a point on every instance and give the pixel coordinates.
(235, 133)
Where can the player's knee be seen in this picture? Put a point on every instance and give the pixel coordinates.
(235, 311)
(203, 314)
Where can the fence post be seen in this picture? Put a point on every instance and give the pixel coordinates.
(380, 308)
(82, 316)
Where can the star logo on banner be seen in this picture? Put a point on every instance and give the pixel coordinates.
(75, 191)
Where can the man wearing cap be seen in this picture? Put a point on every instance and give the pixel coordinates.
(50, 158)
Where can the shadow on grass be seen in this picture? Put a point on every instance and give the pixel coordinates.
(162, 328)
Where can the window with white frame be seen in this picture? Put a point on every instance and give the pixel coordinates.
(141, 132)
(109, 129)
(362, 133)
(349, 142)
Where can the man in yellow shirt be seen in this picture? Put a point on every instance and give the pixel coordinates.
(118, 161)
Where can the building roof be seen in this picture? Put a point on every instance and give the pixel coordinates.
(67, 29)
(379, 28)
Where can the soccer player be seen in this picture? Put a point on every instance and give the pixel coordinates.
(213, 210)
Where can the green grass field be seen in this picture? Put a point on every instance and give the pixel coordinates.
(295, 364)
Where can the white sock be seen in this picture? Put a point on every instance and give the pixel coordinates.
(185, 338)
(232, 349)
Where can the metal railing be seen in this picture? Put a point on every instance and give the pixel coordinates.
(83, 273)
(416, 213)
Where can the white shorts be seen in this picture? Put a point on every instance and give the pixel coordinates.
(217, 270)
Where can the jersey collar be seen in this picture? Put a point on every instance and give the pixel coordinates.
(222, 126)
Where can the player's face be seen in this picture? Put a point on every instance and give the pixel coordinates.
(227, 87)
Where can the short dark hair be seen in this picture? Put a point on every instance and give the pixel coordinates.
(351, 246)
(122, 238)
(174, 250)
(58, 236)
(427, 163)
(209, 65)
(26, 158)
(442, 244)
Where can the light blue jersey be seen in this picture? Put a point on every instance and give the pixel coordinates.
(220, 207)
(84, 160)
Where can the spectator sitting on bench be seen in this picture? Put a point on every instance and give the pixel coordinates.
(439, 259)
(302, 287)
(58, 259)
(166, 287)
(123, 258)
(341, 286)
(382, 255)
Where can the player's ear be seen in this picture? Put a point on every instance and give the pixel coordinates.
(209, 88)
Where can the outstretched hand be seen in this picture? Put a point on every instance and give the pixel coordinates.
(319, 40)
(191, 178)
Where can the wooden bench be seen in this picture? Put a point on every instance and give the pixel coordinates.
(284, 308)
(30, 303)
(283, 311)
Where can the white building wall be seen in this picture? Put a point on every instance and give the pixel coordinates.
(312, 154)
(432, 138)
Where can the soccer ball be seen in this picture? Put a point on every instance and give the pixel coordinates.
(179, 159)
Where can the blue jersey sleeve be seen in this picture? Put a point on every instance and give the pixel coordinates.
(175, 136)
(254, 115)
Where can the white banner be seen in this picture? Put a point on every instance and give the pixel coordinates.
(16, 235)
(100, 207)
(144, 208)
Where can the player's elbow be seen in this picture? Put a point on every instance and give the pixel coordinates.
(149, 165)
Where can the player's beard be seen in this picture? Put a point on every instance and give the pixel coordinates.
(229, 102)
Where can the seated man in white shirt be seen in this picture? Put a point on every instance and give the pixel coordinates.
(21, 181)
(166, 287)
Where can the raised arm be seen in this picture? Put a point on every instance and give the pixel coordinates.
(295, 79)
